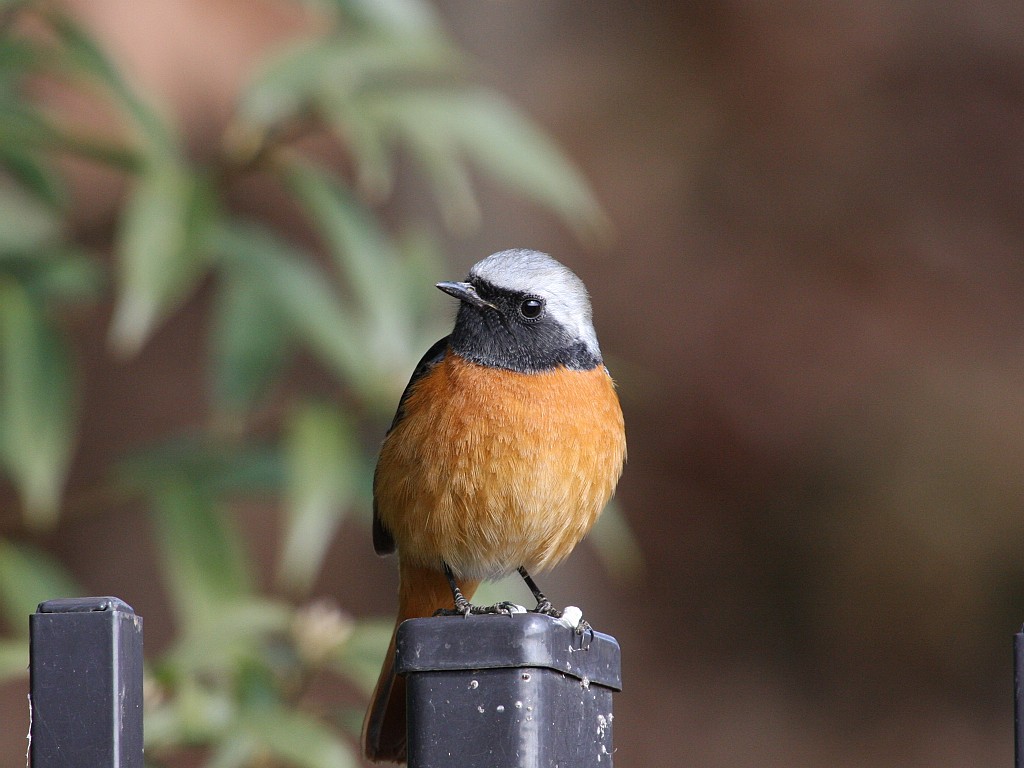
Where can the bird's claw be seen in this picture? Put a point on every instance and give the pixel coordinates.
(545, 607)
(466, 609)
(504, 607)
(573, 617)
(462, 608)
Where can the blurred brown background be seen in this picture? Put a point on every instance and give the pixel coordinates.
(813, 305)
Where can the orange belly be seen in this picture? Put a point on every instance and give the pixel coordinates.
(490, 469)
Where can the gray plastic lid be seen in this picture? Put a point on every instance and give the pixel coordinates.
(84, 605)
(447, 643)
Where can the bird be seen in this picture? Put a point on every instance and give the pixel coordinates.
(507, 443)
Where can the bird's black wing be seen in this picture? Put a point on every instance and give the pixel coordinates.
(383, 542)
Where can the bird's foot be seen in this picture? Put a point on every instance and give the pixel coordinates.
(544, 606)
(505, 607)
(571, 616)
(464, 608)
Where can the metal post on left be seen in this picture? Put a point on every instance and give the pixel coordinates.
(85, 704)
(1018, 699)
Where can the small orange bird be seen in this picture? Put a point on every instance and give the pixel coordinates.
(507, 444)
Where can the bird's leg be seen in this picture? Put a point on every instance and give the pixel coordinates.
(462, 605)
(543, 604)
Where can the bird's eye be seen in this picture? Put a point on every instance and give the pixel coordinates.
(531, 308)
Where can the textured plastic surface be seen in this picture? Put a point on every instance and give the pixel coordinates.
(505, 691)
(86, 684)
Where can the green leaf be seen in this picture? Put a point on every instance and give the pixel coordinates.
(159, 249)
(248, 342)
(21, 124)
(366, 258)
(198, 714)
(204, 561)
(441, 158)
(237, 634)
(25, 221)
(236, 751)
(374, 167)
(36, 404)
(86, 57)
(29, 576)
(357, 243)
(399, 18)
(500, 141)
(300, 291)
(361, 657)
(325, 74)
(322, 460)
(13, 660)
(66, 273)
(54, 274)
(422, 263)
(24, 128)
(19, 57)
(216, 468)
(35, 175)
(297, 738)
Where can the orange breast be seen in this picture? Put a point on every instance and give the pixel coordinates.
(492, 469)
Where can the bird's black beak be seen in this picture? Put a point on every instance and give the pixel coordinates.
(465, 292)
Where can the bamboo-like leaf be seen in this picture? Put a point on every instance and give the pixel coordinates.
(86, 57)
(217, 469)
(21, 125)
(508, 147)
(13, 659)
(248, 343)
(19, 57)
(36, 404)
(204, 562)
(359, 660)
(500, 141)
(23, 128)
(329, 71)
(433, 145)
(236, 751)
(399, 18)
(29, 576)
(197, 714)
(64, 273)
(25, 221)
(423, 263)
(35, 175)
(374, 167)
(301, 292)
(452, 184)
(237, 634)
(359, 247)
(296, 738)
(366, 258)
(159, 248)
(322, 458)
(54, 274)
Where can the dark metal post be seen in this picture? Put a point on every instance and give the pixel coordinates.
(1018, 699)
(522, 690)
(86, 684)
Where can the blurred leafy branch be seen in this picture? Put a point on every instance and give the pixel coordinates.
(380, 77)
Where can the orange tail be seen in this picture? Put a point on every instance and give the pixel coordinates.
(421, 591)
